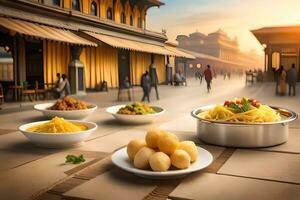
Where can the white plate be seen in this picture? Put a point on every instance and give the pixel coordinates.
(66, 114)
(120, 159)
(135, 119)
(58, 140)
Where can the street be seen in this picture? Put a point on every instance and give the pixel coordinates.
(32, 171)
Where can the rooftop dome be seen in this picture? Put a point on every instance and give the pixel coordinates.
(197, 34)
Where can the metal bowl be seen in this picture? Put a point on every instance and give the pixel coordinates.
(246, 135)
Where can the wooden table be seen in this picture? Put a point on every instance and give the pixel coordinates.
(48, 178)
(17, 91)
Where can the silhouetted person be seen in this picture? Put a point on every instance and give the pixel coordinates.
(154, 79)
(58, 80)
(127, 86)
(208, 77)
(146, 85)
(282, 86)
(169, 74)
(229, 75)
(292, 79)
(63, 88)
(276, 78)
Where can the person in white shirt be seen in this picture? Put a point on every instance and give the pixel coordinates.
(63, 88)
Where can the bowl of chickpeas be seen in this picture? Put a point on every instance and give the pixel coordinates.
(67, 107)
(135, 113)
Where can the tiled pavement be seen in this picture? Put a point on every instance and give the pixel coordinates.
(30, 172)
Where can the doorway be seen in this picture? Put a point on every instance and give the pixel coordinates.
(34, 62)
(287, 62)
(123, 66)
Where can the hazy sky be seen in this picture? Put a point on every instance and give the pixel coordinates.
(236, 17)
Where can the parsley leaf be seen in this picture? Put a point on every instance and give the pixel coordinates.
(245, 105)
(74, 159)
(235, 108)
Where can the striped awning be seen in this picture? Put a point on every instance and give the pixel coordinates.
(43, 32)
(179, 53)
(125, 43)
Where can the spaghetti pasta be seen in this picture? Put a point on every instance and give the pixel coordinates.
(241, 111)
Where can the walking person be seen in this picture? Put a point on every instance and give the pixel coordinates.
(292, 79)
(282, 86)
(154, 79)
(169, 73)
(146, 85)
(276, 78)
(208, 77)
(200, 77)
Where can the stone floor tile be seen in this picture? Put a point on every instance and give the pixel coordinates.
(263, 165)
(13, 120)
(212, 187)
(214, 150)
(14, 140)
(114, 184)
(13, 158)
(186, 123)
(28, 180)
(291, 146)
(113, 141)
(49, 196)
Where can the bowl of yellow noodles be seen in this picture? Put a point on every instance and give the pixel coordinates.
(58, 132)
(243, 123)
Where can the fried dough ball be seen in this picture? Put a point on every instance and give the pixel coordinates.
(180, 159)
(134, 146)
(152, 137)
(141, 159)
(160, 162)
(167, 143)
(190, 148)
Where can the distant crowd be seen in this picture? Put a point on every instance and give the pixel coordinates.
(285, 80)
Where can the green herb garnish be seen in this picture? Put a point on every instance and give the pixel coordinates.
(236, 108)
(74, 159)
(239, 108)
(245, 105)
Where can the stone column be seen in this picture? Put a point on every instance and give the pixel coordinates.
(76, 72)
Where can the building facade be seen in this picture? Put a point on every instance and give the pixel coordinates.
(281, 46)
(218, 50)
(216, 44)
(90, 40)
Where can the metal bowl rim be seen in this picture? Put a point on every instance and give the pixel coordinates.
(293, 117)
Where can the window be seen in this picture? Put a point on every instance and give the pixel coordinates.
(94, 9)
(6, 65)
(52, 2)
(123, 18)
(140, 25)
(131, 20)
(109, 14)
(275, 60)
(76, 5)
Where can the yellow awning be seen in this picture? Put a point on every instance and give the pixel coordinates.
(179, 53)
(43, 32)
(131, 44)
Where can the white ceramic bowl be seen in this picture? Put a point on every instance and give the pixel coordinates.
(135, 119)
(66, 114)
(58, 140)
(120, 159)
